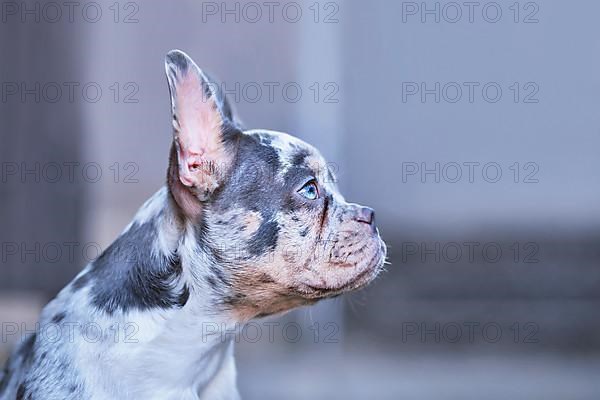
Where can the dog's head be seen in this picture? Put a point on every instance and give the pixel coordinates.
(264, 205)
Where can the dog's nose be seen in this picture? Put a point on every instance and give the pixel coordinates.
(366, 215)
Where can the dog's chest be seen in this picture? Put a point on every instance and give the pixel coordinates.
(162, 361)
(141, 355)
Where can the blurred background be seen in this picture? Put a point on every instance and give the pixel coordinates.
(472, 128)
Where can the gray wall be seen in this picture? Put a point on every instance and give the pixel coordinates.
(559, 133)
(40, 211)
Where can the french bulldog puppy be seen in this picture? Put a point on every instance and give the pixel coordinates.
(250, 223)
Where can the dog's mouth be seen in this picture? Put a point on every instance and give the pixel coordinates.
(373, 267)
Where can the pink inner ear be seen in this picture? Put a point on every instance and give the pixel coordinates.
(199, 136)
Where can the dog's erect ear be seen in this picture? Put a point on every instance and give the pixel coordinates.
(202, 156)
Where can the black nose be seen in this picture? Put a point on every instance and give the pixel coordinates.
(366, 215)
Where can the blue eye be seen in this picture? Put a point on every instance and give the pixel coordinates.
(310, 190)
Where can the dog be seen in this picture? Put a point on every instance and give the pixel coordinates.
(250, 223)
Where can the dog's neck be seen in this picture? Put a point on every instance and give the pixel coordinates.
(175, 237)
(187, 345)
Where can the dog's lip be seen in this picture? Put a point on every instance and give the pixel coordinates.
(342, 287)
(358, 281)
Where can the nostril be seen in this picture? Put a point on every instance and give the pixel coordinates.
(366, 215)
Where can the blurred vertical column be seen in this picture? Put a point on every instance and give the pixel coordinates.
(40, 131)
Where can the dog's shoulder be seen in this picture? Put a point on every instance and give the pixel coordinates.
(42, 365)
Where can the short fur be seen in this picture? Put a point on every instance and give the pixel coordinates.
(228, 239)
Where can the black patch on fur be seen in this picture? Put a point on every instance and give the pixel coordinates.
(265, 238)
(266, 139)
(300, 156)
(21, 392)
(253, 185)
(200, 229)
(184, 296)
(252, 182)
(304, 232)
(26, 349)
(127, 275)
(299, 174)
(58, 318)
(211, 281)
(218, 273)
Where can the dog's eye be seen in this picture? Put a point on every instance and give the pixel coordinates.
(310, 190)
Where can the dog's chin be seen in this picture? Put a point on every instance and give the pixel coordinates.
(370, 268)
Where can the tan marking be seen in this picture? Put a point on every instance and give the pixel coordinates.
(286, 278)
(252, 221)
